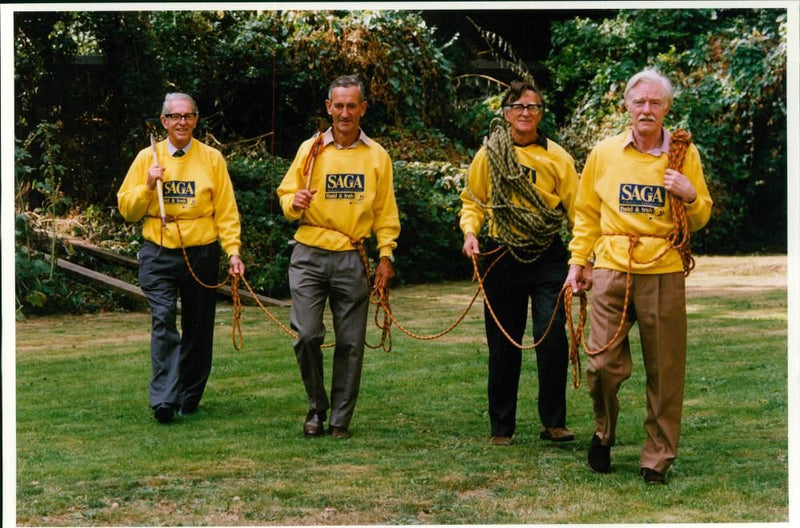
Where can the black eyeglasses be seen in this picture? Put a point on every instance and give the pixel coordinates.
(176, 118)
(518, 108)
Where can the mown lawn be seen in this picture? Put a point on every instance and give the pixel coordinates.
(90, 453)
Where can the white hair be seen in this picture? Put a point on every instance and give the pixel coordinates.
(174, 97)
(651, 75)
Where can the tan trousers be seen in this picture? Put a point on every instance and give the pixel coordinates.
(658, 304)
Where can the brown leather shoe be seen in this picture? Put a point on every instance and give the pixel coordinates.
(340, 432)
(314, 423)
(556, 434)
(500, 441)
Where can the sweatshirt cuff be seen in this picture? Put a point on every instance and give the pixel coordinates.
(578, 261)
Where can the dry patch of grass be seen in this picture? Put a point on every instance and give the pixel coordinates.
(736, 275)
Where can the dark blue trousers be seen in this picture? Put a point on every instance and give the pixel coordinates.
(181, 360)
(510, 286)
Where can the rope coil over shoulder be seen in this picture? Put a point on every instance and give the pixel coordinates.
(524, 229)
(678, 238)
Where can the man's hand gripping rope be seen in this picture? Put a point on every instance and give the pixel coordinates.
(678, 238)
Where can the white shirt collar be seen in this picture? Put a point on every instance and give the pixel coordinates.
(172, 148)
(328, 139)
(663, 148)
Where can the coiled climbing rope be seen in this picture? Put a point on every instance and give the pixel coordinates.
(523, 221)
(678, 238)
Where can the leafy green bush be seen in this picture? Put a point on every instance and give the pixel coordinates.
(265, 233)
(84, 119)
(429, 246)
(729, 71)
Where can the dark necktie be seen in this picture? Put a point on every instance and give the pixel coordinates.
(178, 153)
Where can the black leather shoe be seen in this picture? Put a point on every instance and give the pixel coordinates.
(164, 413)
(651, 476)
(599, 457)
(187, 408)
(314, 425)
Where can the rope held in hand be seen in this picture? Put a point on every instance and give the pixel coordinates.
(678, 238)
(237, 302)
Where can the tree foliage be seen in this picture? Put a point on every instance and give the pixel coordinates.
(729, 71)
(99, 76)
(89, 85)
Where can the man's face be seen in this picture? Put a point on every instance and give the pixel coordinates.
(179, 131)
(647, 105)
(524, 121)
(346, 109)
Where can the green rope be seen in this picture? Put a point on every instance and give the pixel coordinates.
(523, 220)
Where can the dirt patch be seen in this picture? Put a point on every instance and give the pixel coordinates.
(737, 275)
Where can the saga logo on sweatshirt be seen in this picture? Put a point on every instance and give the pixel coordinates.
(180, 192)
(529, 173)
(641, 199)
(344, 187)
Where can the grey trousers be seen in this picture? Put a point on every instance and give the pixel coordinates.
(317, 275)
(181, 361)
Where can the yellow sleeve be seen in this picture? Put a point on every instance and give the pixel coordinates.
(567, 185)
(477, 187)
(226, 213)
(586, 229)
(698, 212)
(293, 181)
(386, 223)
(134, 196)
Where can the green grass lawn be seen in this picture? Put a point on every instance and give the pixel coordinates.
(90, 453)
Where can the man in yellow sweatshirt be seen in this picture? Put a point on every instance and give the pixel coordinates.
(525, 184)
(623, 191)
(340, 194)
(199, 201)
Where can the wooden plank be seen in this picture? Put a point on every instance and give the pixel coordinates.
(113, 283)
(247, 297)
(102, 252)
(137, 293)
(225, 291)
(106, 280)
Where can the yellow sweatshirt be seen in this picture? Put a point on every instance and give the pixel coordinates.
(197, 192)
(355, 197)
(552, 173)
(622, 191)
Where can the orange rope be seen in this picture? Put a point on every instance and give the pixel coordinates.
(678, 238)
(237, 302)
(381, 299)
(494, 316)
(308, 164)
